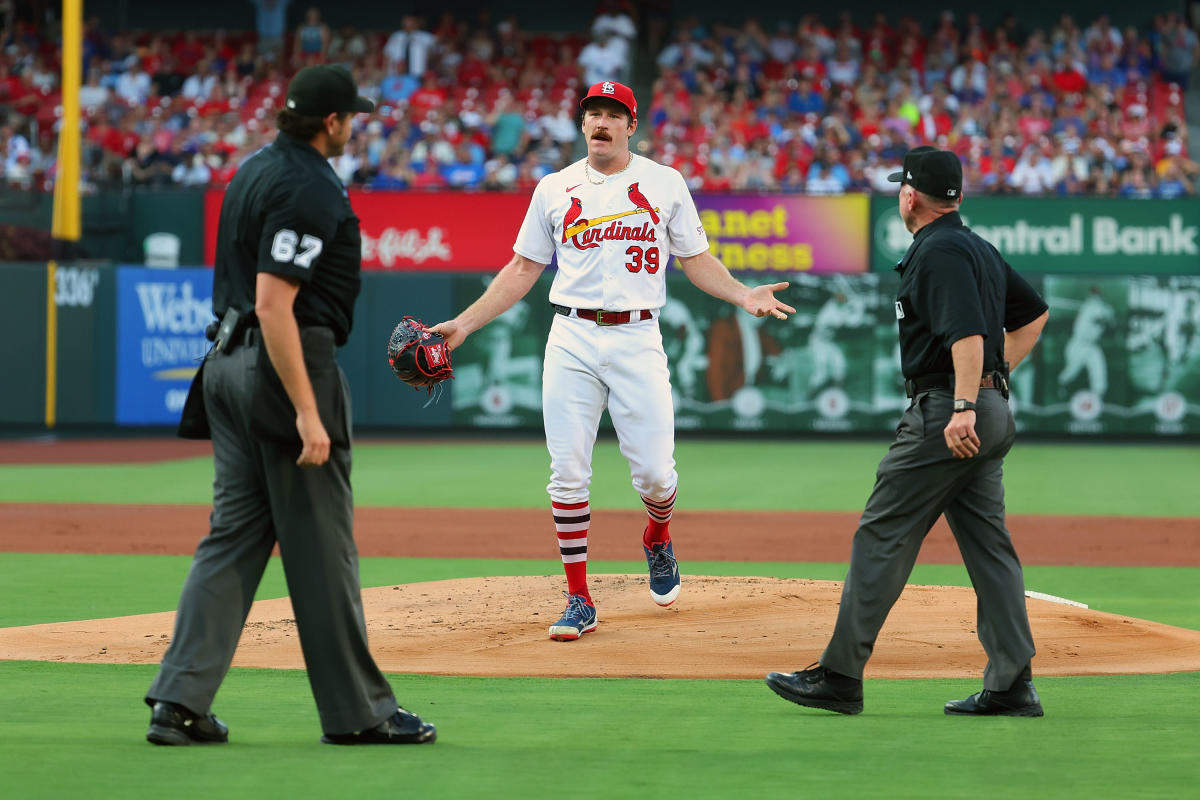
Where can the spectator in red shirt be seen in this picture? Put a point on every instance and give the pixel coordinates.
(936, 119)
(430, 176)
(153, 55)
(215, 104)
(1068, 78)
(10, 85)
(1035, 121)
(98, 132)
(223, 171)
(429, 96)
(794, 155)
(811, 65)
(188, 51)
(123, 139)
(472, 71)
(25, 96)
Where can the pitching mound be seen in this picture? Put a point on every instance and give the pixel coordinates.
(719, 628)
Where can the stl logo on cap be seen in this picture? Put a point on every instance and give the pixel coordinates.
(608, 88)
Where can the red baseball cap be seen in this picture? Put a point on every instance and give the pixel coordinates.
(613, 91)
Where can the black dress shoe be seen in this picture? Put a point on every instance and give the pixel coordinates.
(173, 724)
(1021, 700)
(817, 687)
(403, 727)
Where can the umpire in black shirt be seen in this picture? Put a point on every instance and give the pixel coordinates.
(278, 408)
(966, 318)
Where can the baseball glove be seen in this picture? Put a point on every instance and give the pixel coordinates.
(418, 356)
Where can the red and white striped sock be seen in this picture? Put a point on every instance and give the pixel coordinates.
(659, 512)
(571, 521)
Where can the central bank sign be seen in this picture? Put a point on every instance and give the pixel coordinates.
(1066, 235)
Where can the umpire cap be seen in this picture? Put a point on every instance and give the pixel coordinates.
(325, 89)
(934, 172)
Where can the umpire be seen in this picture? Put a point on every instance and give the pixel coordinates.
(278, 408)
(965, 318)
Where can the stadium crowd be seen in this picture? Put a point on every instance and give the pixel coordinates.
(481, 104)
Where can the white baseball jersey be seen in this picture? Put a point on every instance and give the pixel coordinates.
(612, 239)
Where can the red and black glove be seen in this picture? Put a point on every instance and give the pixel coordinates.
(417, 355)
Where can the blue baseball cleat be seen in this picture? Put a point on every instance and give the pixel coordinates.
(664, 573)
(578, 619)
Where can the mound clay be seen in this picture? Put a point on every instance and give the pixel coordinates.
(719, 628)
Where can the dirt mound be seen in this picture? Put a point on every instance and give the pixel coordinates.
(719, 628)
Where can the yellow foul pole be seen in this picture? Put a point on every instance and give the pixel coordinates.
(66, 223)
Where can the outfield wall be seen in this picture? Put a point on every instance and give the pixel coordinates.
(1121, 354)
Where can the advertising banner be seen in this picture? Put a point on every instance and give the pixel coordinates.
(825, 368)
(1119, 355)
(784, 234)
(161, 316)
(498, 369)
(1065, 235)
(777, 234)
(422, 230)
(833, 366)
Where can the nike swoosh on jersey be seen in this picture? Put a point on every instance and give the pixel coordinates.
(573, 188)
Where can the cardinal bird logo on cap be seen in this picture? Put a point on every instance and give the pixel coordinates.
(572, 216)
(638, 199)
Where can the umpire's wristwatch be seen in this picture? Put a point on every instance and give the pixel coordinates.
(963, 405)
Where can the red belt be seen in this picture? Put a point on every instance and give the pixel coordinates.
(601, 317)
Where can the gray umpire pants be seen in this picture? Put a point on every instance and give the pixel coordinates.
(261, 497)
(917, 481)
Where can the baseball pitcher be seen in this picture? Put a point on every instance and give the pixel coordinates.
(613, 220)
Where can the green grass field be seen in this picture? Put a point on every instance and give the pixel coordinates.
(605, 738)
(803, 476)
(73, 729)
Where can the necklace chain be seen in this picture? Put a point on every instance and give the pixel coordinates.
(587, 171)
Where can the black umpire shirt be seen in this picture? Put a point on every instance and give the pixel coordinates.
(286, 212)
(953, 284)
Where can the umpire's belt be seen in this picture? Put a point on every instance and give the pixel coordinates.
(252, 335)
(945, 380)
(604, 317)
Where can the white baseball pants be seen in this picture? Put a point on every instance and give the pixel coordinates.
(589, 367)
